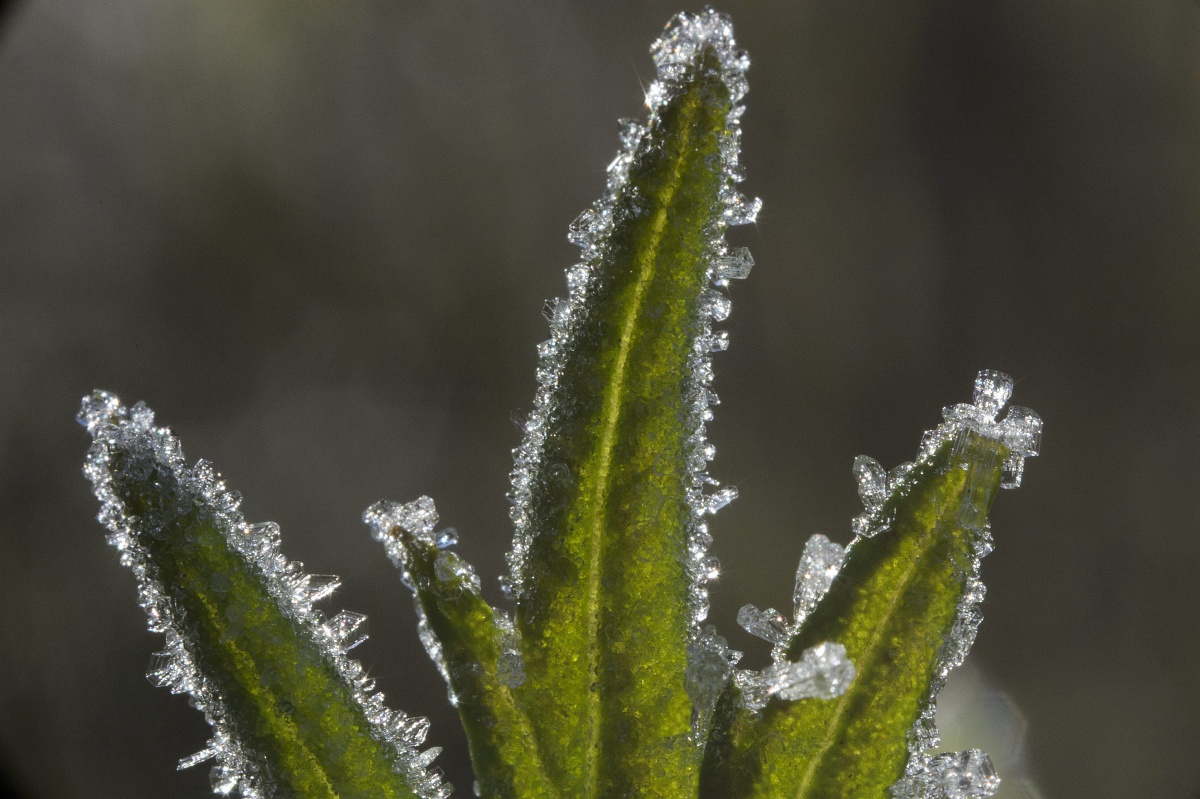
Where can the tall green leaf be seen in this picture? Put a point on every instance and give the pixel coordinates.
(607, 484)
(292, 715)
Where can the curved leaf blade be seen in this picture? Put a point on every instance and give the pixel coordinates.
(474, 647)
(292, 716)
(905, 607)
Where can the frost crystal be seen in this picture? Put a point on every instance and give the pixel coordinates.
(710, 663)
(127, 445)
(958, 775)
(820, 563)
(510, 667)
(954, 775)
(823, 672)
(675, 55)
(769, 624)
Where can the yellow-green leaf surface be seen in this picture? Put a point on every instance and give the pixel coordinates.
(285, 705)
(604, 611)
(481, 673)
(893, 606)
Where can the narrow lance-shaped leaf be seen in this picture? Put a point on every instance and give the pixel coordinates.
(609, 561)
(901, 612)
(292, 716)
(474, 646)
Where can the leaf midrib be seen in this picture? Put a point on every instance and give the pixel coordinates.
(611, 416)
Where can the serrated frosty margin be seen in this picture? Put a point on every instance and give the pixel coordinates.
(676, 55)
(115, 428)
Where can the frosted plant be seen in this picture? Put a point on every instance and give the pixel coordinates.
(603, 680)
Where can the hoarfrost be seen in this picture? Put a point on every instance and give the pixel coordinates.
(710, 664)
(954, 775)
(822, 672)
(389, 523)
(676, 55)
(969, 774)
(819, 564)
(127, 445)
(769, 624)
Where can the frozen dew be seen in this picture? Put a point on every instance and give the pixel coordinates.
(823, 672)
(953, 775)
(992, 390)
(769, 624)
(677, 54)
(819, 565)
(735, 264)
(962, 775)
(753, 689)
(742, 211)
(720, 499)
(447, 538)
(510, 664)
(710, 664)
(872, 481)
(127, 447)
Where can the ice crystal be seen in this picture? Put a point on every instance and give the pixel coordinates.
(710, 664)
(823, 672)
(769, 624)
(127, 445)
(510, 666)
(961, 775)
(674, 53)
(389, 522)
(819, 564)
(954, 775)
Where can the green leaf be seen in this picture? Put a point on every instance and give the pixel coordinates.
(894, 606)
(290, 711)
(608, 497)
(474, 649)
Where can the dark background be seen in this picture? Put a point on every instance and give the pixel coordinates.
(315, 236)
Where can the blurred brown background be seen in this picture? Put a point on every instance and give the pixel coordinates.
(315, 236)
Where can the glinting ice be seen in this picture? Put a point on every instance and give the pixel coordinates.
(604, 681)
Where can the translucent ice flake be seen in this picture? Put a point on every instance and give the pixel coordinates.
(1020, 430)
(710, 663)
(742, 211)
(686, 38)
(872, 481)
(953, 775)
(823, 672)
(510, 666)
(344, 630)
(769, 624)
(127, 450)
(819, 565)
(719, 499)
(992, 390)
(734, 265)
